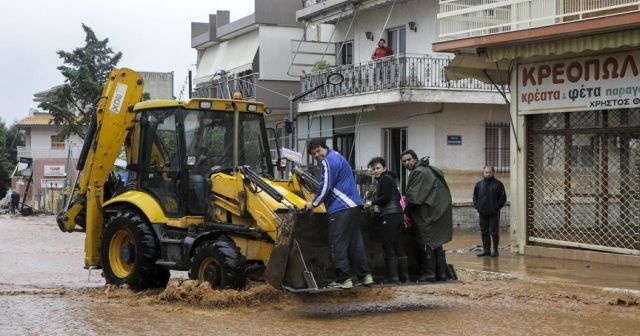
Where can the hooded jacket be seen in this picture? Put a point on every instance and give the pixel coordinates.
(430, 205)
(337, 188)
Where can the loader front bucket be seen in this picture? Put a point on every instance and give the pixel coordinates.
(308, 267)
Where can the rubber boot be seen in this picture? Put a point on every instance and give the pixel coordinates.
(427, 264)
(392, 270)
(441, 264)
(403, 265)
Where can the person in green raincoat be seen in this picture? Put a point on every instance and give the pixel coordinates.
(430, 207)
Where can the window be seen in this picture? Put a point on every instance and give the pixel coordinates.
(497, 146)
(57, 142)
(397, 40)
(346, 54)
(395, 142)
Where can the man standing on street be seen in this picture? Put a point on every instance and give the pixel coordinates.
(339, 193)
(430, 206)
(488, 198)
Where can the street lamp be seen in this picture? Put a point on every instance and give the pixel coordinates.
(334, 78)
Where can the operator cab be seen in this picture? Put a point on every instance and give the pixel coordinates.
(181, 145)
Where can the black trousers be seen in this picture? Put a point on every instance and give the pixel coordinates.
(490, 230)
(391, 231)
(347, 245)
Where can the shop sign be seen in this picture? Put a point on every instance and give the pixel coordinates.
(599, 82)
(54, 171)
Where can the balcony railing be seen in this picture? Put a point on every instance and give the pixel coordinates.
(45, 152)
(307, 3)
(421, 71)
(244, 84)
(469, 18)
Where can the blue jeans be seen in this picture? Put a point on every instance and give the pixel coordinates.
(347, 245)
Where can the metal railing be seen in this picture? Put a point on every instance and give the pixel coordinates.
(404, 71)
(244, 84)
(469, 18)
(44, 152)
(307, 3)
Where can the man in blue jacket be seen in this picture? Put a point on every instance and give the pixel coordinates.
(338, 191)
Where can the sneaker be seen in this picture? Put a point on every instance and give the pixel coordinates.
(367, 280)
(341, 285)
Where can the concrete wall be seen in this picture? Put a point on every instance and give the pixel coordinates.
(159, 85)
(275, 51)
(279, 12)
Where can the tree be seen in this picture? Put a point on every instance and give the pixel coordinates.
(5, 160)
(14, 138)
(85, 70)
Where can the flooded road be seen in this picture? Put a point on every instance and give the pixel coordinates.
(44, 290)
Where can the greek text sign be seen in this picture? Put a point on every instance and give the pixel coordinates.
(54, 171)
(596, 82)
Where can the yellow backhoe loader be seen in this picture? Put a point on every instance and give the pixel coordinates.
(199, 196)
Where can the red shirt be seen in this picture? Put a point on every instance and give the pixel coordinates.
(381, 52)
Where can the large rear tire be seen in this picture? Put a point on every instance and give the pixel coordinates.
(129, 252)
(220, 263)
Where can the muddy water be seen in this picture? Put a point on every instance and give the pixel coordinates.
(45, 291)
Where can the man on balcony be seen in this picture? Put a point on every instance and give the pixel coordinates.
(382, 50)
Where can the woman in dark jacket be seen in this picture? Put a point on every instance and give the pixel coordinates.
(388, 200)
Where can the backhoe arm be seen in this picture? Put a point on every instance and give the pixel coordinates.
(112, 122)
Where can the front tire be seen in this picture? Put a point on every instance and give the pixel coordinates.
(220, 263)
(129, 252)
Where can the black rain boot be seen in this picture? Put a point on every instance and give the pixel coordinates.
(441, 264)
(392, 270)
(427, 264)
(403, 265)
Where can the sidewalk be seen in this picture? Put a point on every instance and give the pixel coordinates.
(462, 250)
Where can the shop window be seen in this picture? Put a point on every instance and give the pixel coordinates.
(497, 146)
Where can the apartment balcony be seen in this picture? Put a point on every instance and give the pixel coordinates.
(394, 74)
(470, 18)
(42, 152)
(244, 84)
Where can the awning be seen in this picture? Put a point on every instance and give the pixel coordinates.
(233, 56)
(465, 66)
(627, 38)
(22, 169)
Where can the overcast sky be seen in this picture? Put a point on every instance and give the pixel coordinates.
(153, 35)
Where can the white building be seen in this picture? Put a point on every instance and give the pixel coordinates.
(402, 102)
(254, 51)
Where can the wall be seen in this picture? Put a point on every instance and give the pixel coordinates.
(275, 52)
(159, 85)
(421, 12)
(427, 132)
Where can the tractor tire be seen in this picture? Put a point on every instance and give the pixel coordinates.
(129, 252)
(220, 263)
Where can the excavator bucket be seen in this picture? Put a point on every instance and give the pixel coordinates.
(301, 258)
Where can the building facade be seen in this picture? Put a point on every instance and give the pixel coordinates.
(399, 102)
(254, 53)
(52, 160)
(573, 68)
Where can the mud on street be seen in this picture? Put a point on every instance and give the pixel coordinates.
(44, 290)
